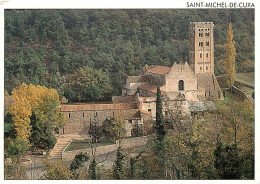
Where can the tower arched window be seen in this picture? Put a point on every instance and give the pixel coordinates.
(181, 85)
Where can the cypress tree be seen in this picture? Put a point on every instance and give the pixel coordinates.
(93, 169)
(227, 161)
(159, 127)
(118, 171)
(230, 57)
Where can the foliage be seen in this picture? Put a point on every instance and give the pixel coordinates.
(40, 43)
(159, 126)
(36, 106)
(227, 161)
(77, 163)
(117, 129)
(41, 134)
(9, 126)
(17, 147)
(92, 93)
(90, 84)
(70, 95)
(147, 168)
(56, 170)
(93, 170)
(230, 70)
(159, 147)
(105, 127)
(14, 170)
(118, 172)
(21, 110)
(95, 132)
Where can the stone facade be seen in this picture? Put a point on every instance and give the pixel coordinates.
(202, 47)
(79, 119)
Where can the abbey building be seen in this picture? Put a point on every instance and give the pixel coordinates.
(185, 88)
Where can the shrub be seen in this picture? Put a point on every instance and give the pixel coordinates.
(17, 147)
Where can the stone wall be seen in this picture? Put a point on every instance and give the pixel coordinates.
(126, 144)
(239, 92)
(182, 72)
(78, 122)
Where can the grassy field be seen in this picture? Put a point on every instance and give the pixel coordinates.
(246, 78)
(82, 144)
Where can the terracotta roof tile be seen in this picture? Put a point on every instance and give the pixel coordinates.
(124, 99)
(151, 88)
(162, 70)
(96, 107)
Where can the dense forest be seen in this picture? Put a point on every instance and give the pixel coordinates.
(86, 54)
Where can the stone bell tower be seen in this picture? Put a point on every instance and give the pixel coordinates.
(202, 47)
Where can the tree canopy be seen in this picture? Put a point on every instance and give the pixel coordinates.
(40, 44)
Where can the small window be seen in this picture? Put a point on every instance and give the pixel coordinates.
(200, 55)
(207, 34)
(150, 111)
(200, 34)
(113, 113)
(218, 94)
(201, 44)
(207, 55)
(200, 68)
(207, 43)
(96, 114)
(181, 85)
(130, 121)
(69, 115)
(205, 94)
(207, 68)
(166, 113)
(83, 114)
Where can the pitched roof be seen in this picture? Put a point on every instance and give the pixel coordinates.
(97, 107)
(136, 79)
(151, 88)
(123, 99)
(162, 70)
(208, 81)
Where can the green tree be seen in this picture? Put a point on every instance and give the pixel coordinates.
(70, 95)
(41, 134)
(77, 163)
(118, 171)
(230, 57)
(56, 170)
(92, 93)
(93, 170)
(159, 126)
(17, 147)
(117, 129)
(227, 161)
